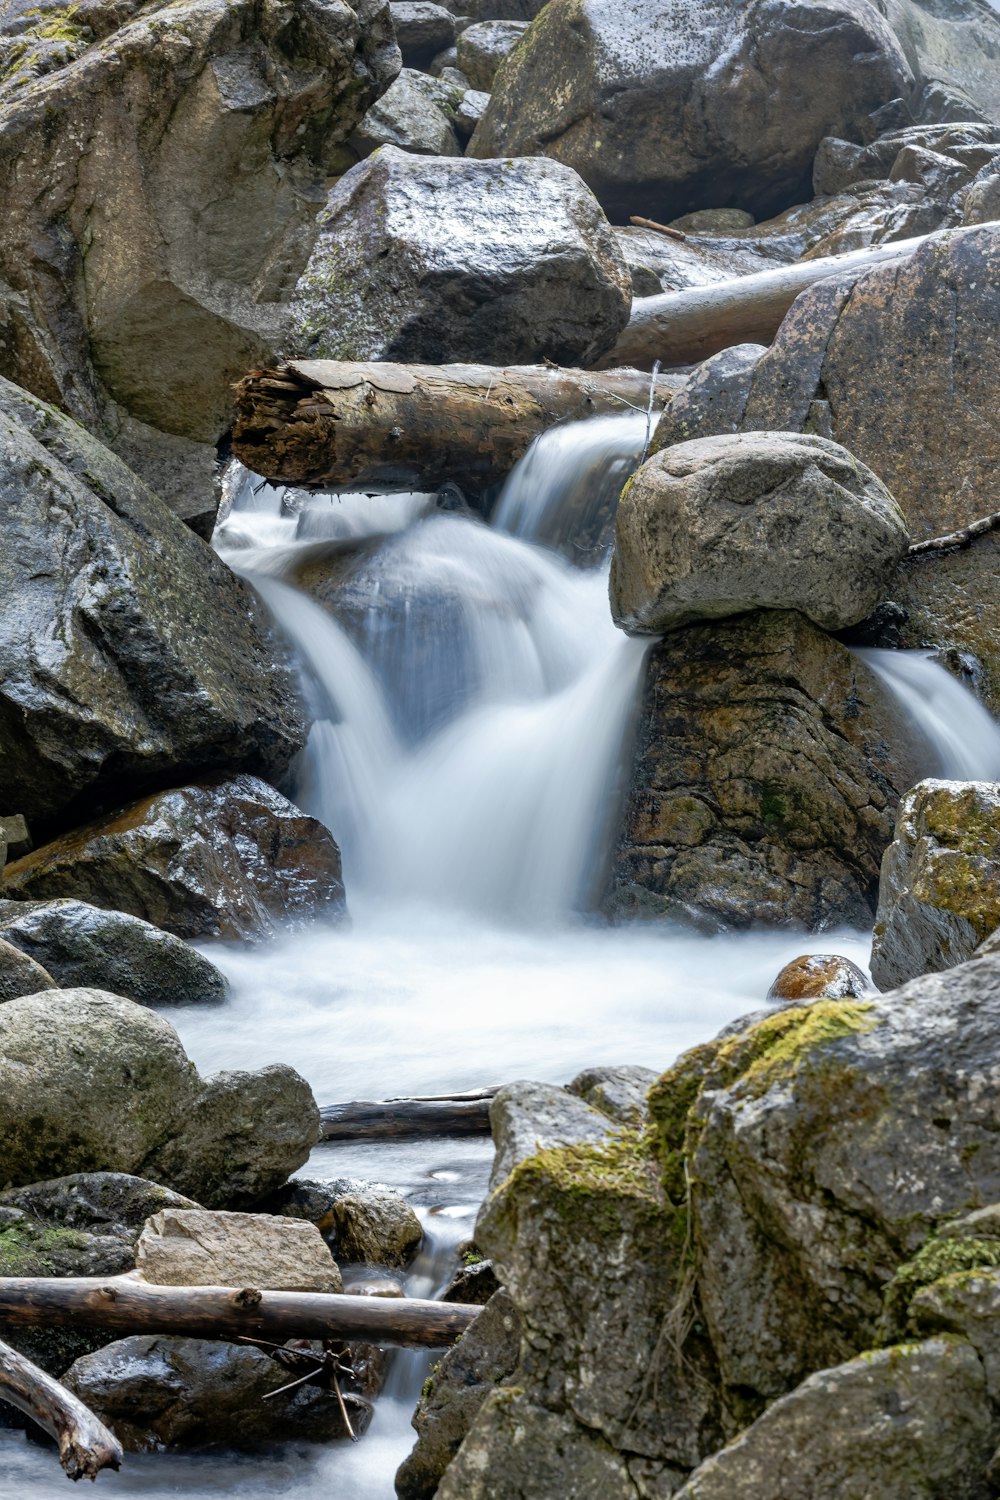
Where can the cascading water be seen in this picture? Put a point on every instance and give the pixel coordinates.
(471, 698)
(960, 733)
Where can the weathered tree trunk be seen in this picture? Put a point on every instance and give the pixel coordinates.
(124, 1304)
(85, 1444)
(680, 328)
(330, 425)
(408, 1119)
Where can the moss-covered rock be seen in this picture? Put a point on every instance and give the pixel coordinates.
(939, 895)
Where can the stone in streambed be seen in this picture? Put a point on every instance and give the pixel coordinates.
(127, 648)
(819, 976)
(498, 262)
(83, 945)
(372, 1224)
(185, 1394)
(20, 975)
(191, 1247)
(939, 895)
(221, 858)
(409, 117)
(719, 526)
(483, 48)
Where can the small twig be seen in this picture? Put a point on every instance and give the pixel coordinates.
(280, 1391)
(343, 1411)
(960, 538)
(671, 234)
(649, 410)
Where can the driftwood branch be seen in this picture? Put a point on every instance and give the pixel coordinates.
(327, 424)
(667, 229)
(124, 1304)
(85, 1444)
(403, 1119)
(680, 328)
(960, 538)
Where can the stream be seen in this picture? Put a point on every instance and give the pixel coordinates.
(472, 702)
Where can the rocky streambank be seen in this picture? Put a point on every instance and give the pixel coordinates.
(417, 237)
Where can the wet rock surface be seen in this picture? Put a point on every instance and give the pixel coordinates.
(720, 526)
(20, 975)
(184, 1394)
(82, 945)
(217, 859)
(663, 108)
(820, 976)
(409, 117)
(127, 648)
(939, 895)
(133, 293)
(371, 1223)
(521, 267)
(106, 1203)
(764, 779)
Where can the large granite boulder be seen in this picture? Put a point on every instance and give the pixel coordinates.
(409, 117)
(523, 265)
(127, 648)
(671, 106)
(953, 46)
(765, 775)
(81, 945)
(939, 895)
(92, 1082)
(221, 858)
(422, 30)
(482, 49)
(134, 292)
(720, 526)
(896, 1423)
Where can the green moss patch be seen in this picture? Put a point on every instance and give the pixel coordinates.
(935, 1260)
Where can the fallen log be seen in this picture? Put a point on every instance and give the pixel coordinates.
(408, 1119)
(125, 1304)
(85, 1444)
(681, 328)
(332, 425)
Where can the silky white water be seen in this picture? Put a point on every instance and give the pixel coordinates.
(472, 702)
(962, 736)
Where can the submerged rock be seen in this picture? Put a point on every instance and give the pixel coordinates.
(82, 945)
(189, 1247)
(766, 771)
(523, 265)
(133, 292)
(669, 106)
(184, 1394)
(218, 859)
(743, 521)
(939, 895)
(127, 648)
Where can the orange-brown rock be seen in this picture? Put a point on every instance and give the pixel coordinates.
(819, 976)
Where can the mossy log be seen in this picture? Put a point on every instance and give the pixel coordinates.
(408, 1119)
(332, 425)
(85, 1444)
(680, 328)
(124, 1304)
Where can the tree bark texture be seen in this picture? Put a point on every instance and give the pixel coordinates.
(407, 1119)
(85, 1444)
(330, 425)
(124, 1304)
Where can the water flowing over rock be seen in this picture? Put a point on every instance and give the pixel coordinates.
(939, 895)
(520, 266)
(190, 1247)
(134, 292)
(723, 525)
(219, 859)
(81, 945)
(127, 648)
(667, 107)
(764, 780)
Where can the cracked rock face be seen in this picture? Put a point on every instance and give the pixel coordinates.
(161, 166)
(671, 106)
(765, 778)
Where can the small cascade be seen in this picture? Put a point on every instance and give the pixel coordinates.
(471, 697)
(961, 734)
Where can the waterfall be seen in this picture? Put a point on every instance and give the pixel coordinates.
(962, 735)
(472, 694)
